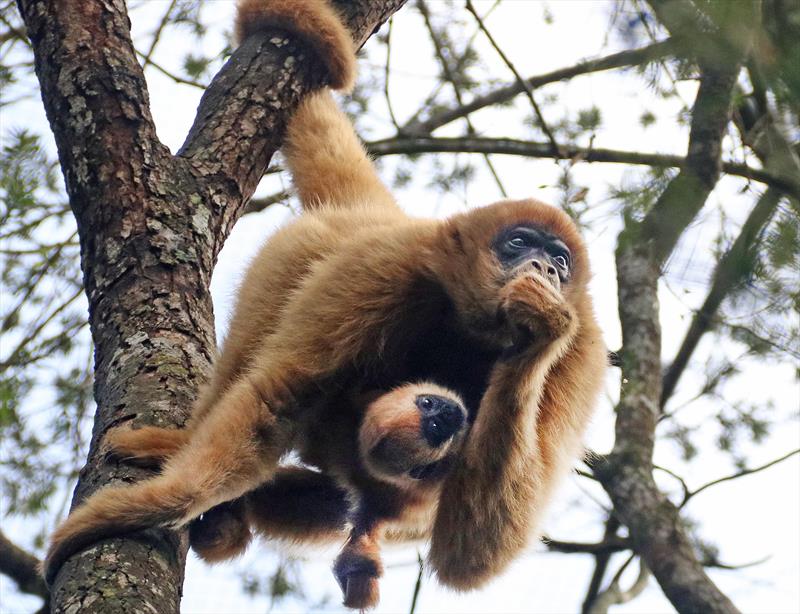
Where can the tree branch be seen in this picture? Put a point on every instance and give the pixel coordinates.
(507, 92)
(601, 561)
(730, 272)
(520, 81)
(21, 567)
(450, 78)
(654, 524)
(609, 545)
(532, 149)
(736, 475)
(615, 594)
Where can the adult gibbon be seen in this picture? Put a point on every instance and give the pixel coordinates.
(439, 372)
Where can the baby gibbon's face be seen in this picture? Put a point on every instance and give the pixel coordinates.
(409, 436)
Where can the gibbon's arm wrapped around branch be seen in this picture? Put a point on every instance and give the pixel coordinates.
(328, 162)
(526, 434)
(313, 20)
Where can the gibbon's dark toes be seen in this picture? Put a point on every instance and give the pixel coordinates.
(362, 592)
(357, 576)
(220, 534)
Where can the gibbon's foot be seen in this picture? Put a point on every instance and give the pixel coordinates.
(534, 304)
(148, 446)
(220, 533)
(357, 570)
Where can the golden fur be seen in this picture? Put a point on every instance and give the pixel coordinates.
(344, 318)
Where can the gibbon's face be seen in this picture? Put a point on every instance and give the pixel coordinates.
(408, 436)
(527, 248)
(488, 247)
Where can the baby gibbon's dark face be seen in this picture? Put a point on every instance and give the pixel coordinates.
(527, 246)
(409, 435)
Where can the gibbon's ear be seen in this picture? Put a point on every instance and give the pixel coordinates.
(315, 21)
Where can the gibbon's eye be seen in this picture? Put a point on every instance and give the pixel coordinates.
(517, 242)
(425, 402)
(561, 261)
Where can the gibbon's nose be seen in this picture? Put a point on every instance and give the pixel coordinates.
(547, 270)
(441, 418)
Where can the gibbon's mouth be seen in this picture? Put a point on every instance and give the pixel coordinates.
(430, 471)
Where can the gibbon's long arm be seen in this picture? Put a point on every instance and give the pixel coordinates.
(328, 163)
(523, 439)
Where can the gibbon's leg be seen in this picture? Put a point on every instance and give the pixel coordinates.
(235, 449)
(148, 445)
(491, 499)
(358, 566)
(220, 533)
(328, 163)
(299, 505)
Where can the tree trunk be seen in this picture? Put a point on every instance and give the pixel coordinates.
(151, 225)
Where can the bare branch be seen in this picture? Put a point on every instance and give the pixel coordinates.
(738, 474)
(601, 561)
(533, 149)
(157, 34)
(507, 92)
(615, 595)
(525, 87)
(729, 274)
(171, 75)
(609, 545)
(21, 567)
(254, 205)
(449, 78)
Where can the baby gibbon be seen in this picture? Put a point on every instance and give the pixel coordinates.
(347, 320)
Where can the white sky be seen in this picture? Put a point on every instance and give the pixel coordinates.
(750, 518)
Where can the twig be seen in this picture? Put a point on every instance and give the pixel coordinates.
(157, 34)
(418, 584)
(535, 149)
(615, 595)
(387, 73)
(450, 78)
(526, 88)
(255, 205)
(610, 544)
(738, 474)
(601, 561)
(171, 75)
(507, 92)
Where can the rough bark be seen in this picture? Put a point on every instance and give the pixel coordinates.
(151, 225)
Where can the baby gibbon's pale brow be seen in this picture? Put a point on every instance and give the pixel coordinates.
(435, 375)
